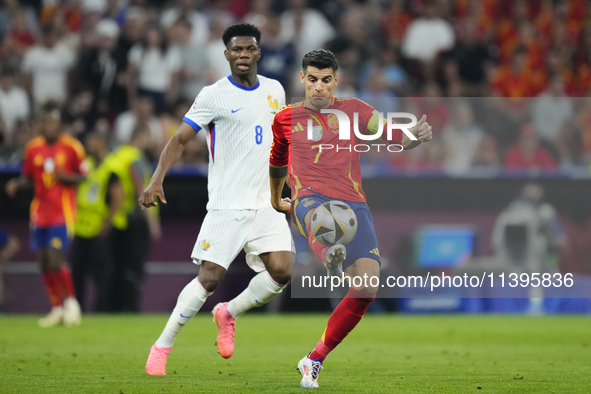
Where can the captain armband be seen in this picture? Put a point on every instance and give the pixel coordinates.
(278, 172)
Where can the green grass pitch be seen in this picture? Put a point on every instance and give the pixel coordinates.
(385, 354)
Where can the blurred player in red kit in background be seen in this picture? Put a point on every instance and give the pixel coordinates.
(53, 164)
(319, 175)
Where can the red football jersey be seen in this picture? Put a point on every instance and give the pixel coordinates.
(54, 203)
(333, 172)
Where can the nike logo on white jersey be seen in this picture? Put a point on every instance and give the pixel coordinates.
(236, 110)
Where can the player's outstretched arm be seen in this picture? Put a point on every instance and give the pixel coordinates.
(422, 130)
(170, 155)
(277, 175)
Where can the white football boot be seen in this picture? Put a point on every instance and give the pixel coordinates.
(54, 318)
(333, 260)
(309, 369)
(72, 313)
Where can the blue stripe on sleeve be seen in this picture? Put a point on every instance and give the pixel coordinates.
(194, 125)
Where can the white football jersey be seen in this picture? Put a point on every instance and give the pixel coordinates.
(237, 121)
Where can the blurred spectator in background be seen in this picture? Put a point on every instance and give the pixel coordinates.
(473, 56)
(99, 198)
(583, 63)
(556, 65)
(98, 69)
(132, 227)
(526, 235)
(308, 28)
(394, 21)
(133, 28)
(376, 94)
(507, 28)
(154, 68)
(8, 10)
(527, 153)
(346, 86)
(358, 25)
(47, 68)
(187, 9)
(14, 103)
(195, 153)
(487, 154)
(568, 146)
(427, 36)
(452, 83)
(66, 15)
(13, 151)
(226, 11)
(8, 55)
(551, 111)
(21, 36)
(430, 103)
(79, 114)
(195, 70)
(277, 56)
(516, 79)
(461, 138)
(260, 11)
(395, 77)
(9, 245)
(132, 31)
(171, 118)
(214, 49)
(509, 49)
(140, 116)
(113, 10)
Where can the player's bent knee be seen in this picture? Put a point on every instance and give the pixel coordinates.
(279, 267)
(209, 284)
(210, 275)
(365, 276)
(281, 277)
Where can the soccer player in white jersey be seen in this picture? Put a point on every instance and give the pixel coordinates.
(236, 113)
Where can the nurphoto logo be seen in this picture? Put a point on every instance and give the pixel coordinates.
(344, 124)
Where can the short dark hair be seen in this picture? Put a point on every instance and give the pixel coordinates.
(241, 30)
(321, 59)
(49, 107)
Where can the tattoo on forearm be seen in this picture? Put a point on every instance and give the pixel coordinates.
(277, 172)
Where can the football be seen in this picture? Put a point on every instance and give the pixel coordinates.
(334, 222)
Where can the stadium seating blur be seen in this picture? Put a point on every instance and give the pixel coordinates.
(485, 48)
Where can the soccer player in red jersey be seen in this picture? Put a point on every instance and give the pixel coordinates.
(53, 164)
(319, 174)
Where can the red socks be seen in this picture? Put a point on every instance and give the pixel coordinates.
(67, 282)
(59, 285)
(52, 282)
(342, 321)
(318, 249)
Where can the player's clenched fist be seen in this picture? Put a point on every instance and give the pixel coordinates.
(283, 206)
(148, 197)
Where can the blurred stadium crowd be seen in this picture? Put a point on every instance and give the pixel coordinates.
(118, 65)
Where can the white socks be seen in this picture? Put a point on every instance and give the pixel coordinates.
(188, 304)
(261, 289)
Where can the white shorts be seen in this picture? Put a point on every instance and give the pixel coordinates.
(226, 231)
